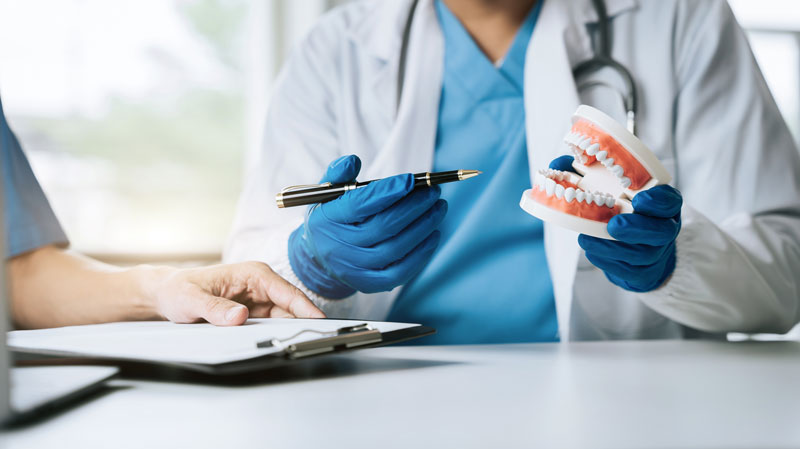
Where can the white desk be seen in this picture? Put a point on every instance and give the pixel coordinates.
(583, 395)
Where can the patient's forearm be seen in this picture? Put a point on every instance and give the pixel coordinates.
(50, 287)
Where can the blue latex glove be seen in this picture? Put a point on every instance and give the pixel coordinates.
(643, 257)
(370, 239)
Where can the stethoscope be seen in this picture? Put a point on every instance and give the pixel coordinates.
(600, 60)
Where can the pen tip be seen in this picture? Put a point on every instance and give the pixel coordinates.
(466, 174)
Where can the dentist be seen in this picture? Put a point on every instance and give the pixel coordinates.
(489, 85)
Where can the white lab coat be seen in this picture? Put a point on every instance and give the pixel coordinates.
(705, 111)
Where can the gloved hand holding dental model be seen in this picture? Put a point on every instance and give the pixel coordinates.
(613, 191)
(370, 239)
(643, 256)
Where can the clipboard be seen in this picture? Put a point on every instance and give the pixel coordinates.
(252, 346)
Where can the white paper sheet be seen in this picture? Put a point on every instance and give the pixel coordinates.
(177, 343)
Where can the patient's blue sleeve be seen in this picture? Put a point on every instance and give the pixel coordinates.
(29, 220)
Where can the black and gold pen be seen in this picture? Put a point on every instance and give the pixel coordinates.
(321, 193)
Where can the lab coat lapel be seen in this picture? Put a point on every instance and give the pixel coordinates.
(380, 37)
(410, 144)
(550, 100)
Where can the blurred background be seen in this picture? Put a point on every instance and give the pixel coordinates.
(140, 117)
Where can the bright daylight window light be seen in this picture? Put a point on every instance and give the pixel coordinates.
(132, 116)
(136, 115)
(774, 31)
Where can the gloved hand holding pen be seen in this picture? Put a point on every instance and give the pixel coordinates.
(370, 239)
(642, 257)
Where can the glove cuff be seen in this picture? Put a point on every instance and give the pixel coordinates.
(310, 272)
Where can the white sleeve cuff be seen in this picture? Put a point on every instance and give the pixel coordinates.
(713, 287)
(283, 267)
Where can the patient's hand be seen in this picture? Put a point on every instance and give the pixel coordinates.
(51, 287)
(226, 295)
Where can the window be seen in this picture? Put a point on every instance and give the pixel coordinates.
(132, 116)
(773, 27)
(139, 117)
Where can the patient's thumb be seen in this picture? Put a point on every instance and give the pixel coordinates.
(223, 312)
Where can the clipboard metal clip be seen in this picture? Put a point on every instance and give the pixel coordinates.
(342, 338)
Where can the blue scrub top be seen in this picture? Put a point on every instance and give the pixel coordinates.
(488, 281)
(29, 220)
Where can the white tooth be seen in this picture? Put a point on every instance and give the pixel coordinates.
(589, 197)
(625, 181)
(610, 201)
(569, 194)
(608, 163)
(580, 195)
(617, 170)
(599, 199)
(584, 159)
(601, 155)
(585, 143)
(549, 186)
(593, 149)
(559, 191)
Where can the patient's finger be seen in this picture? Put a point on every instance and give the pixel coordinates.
(283, 294)
(277, 312)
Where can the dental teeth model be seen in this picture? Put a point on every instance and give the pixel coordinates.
(613, 166)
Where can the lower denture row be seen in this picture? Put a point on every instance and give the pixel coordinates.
(581, 209)
(553, 183)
